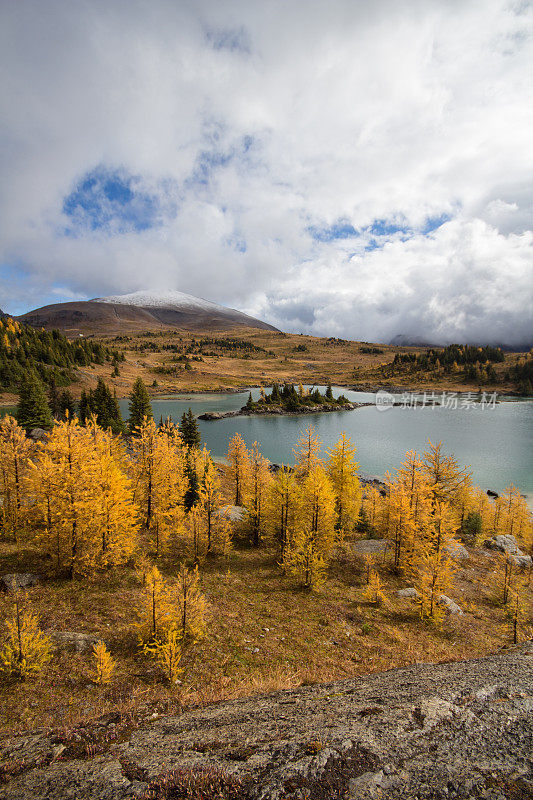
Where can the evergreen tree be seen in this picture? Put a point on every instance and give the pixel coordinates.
(33, 410)
(139, 406)
(189, 430)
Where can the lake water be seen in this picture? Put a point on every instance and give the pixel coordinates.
(497, 443)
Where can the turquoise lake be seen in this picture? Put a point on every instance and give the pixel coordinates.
(496, 442)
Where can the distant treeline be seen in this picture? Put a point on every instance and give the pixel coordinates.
(48, 353)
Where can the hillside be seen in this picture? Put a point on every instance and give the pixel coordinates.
(140, 311)
(462, 730)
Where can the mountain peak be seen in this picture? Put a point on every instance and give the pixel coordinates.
(164, 299)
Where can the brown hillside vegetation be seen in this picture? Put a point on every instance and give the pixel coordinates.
(173, 361)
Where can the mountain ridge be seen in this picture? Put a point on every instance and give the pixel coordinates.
(138, 311)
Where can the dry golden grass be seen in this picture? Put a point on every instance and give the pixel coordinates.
(264, 634)
(325, 360)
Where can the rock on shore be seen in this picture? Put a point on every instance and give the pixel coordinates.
(460, 730)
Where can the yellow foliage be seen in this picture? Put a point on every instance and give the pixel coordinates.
(83, 509)
(158, 611)
(160, 480)
(217, 529)
(191, 605)
(239, 461)
(342, 470)
(104, 665)
(303, 560)
(260, 480)
(26, 650)
(517, 608)
(307, 451)
(443, 476)
(167, 654)
(283, 505)
(14, 453)
(374, 591)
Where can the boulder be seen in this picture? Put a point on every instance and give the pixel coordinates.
(457, 551)
(449, 605)
(38, 435)
(505, 543)
(13, 581)
(233, 513)
(371, 547)
(73, 640)
(410, 591)
(522, 561)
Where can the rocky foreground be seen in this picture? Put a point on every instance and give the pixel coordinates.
(457, 730)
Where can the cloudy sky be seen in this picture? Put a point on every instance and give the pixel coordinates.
(357, 168)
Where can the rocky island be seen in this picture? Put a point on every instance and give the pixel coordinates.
(289, 400)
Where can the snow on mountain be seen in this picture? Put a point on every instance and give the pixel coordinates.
(170, 299)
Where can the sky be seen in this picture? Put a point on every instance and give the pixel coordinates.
(351, 168)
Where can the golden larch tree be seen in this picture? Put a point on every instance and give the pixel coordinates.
(307, 451)
(191, 604)
(64, 498)
(239, 463)
(157, 611)
(25, 650)
(283, 506)
(260, 480)
(15, 450)
(443, 475)
(342, 469)
(115, 515)
(310, 544)
(160, 481)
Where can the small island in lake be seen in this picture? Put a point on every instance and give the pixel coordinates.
(287, 399)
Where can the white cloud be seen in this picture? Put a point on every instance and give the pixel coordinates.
(250, 123)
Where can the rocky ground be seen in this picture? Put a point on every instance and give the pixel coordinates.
(454, 730)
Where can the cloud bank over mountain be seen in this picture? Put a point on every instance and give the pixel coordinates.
(352, 169)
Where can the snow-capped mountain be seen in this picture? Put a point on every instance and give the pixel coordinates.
(138, 311)
(170, 299)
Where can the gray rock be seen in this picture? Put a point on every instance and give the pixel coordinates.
(504, 543)
(450, 606)
(38, 435)
(457, 551)
(428, 731)
(73, 640)
(233, 513)
(522, 561)
(410, 591)
(371, 546)
(13, 581)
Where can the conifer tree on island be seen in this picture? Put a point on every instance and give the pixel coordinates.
(139, 406)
